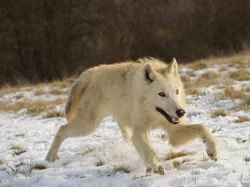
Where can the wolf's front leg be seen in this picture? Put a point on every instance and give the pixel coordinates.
(182, 134)
(143, 146)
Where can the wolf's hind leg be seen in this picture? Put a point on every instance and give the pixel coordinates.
(75, 128)
(182, 134)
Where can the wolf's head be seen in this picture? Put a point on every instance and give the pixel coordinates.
(165, 91)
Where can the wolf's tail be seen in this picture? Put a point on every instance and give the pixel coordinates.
(75, 97)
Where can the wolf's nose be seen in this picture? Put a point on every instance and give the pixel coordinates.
(180, 112)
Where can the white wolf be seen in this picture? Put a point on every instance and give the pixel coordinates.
(141, 96)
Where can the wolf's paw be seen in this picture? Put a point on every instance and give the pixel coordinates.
(51, 158)
(212, 149)
(159, 169)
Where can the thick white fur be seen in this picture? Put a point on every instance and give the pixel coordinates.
(129, 92)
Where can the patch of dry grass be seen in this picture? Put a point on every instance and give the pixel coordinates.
(177, 164)
(222, 68)
(39, 106)
(235, 63)
(15, 147)
(199, 65)
(19, 96)
(21, 135)
(100, 162)
(185, 78)
(210, 75)
(39, 91)
(240, 75)
(216, 129)
(247, 89)
(86, 151)
(193, 91)
(232, 59)
(13, 107)
(39, 167)
(172, 155)
(190, 74)
(54, 114)
(17, 150)
(219, 112)
(246, 159)
(241, 119)
(230, 92)
(66, 83)
(33, 108)
(240, 140)
(247, 100)
(121, 169)
(56, 91)
(8, 89)
(206, 79)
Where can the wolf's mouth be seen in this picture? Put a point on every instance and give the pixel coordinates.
(171, 119)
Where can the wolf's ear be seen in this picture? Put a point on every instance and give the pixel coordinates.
(149, 73)
(173, 67)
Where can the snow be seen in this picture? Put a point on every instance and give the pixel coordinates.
(79, 157)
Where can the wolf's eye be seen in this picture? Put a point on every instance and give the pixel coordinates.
(162, 94)
(177, 92)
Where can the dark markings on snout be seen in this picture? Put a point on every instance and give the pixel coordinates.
(180, 112)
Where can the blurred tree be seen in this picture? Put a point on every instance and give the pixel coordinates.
(43, 40)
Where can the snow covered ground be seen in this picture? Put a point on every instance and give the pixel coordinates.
(103, 159)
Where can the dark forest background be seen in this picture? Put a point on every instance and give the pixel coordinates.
(44, 40)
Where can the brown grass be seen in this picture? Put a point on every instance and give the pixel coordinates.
(54, 114)
(39, 91)
(86, 151)
(233, 59)
(172, 155)
(17, 150)
(21, 135)
(219, 112)
(185, 78)
(8, 89)
(247, 89)
(120, 168)
(39, 106)
(99, 162)
(192, 91)
(222, 68)
(19, 96)
(240, 75)
(199, 65)
(33, 108)
(66, 83)
(56, 91)
(230, 92)
(247, 100)
(210, 75)
(39, 167)
(190, 74)
(247, 159)
(15, 147)
(206, 79)
(235, 63)
(13, 107)
(241, 119)
(177, 164)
